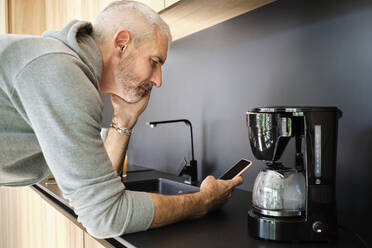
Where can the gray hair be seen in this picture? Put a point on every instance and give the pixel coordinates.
(139, 19)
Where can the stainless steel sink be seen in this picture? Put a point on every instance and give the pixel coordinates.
(161, 186)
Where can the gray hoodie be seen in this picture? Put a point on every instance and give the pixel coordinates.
(50, 121)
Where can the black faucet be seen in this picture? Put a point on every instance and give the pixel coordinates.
(190, 170)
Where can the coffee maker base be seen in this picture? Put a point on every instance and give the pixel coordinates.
(286, 229)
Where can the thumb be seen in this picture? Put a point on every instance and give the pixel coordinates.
(236, 181)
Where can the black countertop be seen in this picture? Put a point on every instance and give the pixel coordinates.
(226, 227)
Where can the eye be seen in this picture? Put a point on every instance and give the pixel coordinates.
(154, 63)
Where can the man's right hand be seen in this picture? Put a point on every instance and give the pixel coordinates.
(125, 116)
(125, 113)
(215, 193)
(212, 195)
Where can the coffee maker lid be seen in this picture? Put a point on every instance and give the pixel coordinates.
(294, 109)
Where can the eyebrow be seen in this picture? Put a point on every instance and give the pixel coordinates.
(160, 60)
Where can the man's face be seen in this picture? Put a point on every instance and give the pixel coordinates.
(140, 69)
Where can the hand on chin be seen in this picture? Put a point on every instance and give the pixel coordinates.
(126, 112)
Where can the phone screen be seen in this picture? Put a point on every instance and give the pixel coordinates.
(238, 168)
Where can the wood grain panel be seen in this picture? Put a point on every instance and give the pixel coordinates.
(58, 13)
(168, 3)
(90, 9)
(26, 16)
(156, 5)
(90, 242)
(184, 18)
(3, 16)
(26, 220)
(190, 16)
(61, 12)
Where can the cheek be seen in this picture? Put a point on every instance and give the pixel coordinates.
(143, 69)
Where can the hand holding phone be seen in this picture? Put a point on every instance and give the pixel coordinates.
(238, 169)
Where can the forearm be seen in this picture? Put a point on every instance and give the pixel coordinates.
(116, 146)
(212, 195)
(125, 117)
(170, 209)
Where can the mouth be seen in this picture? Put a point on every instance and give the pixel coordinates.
(142, 92)
(143, 89)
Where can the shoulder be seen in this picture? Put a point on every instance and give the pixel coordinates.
(17, 51)
(56, 84)
(61, 77)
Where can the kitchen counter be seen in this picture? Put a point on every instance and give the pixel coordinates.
(226, 227)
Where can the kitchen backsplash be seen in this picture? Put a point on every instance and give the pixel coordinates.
(286, 53)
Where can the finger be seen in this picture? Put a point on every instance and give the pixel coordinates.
(112, 97)
(211, 177)
(238, 180)
(115, 99)
(207, 179)
(230, 184)
(144, 100)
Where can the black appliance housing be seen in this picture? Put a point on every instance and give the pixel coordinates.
(315, 133)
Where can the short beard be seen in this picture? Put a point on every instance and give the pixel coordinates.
(124, 76)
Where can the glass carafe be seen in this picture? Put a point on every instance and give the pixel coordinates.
(279, 192)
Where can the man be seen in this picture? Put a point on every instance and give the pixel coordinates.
(51, 113)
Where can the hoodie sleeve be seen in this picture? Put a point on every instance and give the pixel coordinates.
(64, 109)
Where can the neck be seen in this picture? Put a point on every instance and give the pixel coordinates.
(104, 85)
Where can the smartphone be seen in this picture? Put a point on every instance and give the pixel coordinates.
(237, 169)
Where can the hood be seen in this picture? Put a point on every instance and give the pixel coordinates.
(77, 36)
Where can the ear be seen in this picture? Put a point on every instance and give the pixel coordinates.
(121, 41)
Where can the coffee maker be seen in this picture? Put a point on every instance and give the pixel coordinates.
(294, 202)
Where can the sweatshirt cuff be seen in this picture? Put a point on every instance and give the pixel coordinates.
(143, 211)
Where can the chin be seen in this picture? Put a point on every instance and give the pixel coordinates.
(132, 99)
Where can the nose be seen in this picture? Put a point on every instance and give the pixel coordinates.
(156, 77)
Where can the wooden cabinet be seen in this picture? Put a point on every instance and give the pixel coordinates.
(26, 17)
(60, 12)
(168, 3)
(28, 220)
(184, 17)
(90, 242)
(3, 16)
(156, 5)
(36, 16)
(190, 16)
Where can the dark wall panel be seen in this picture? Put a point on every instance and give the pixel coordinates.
(287, 53)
